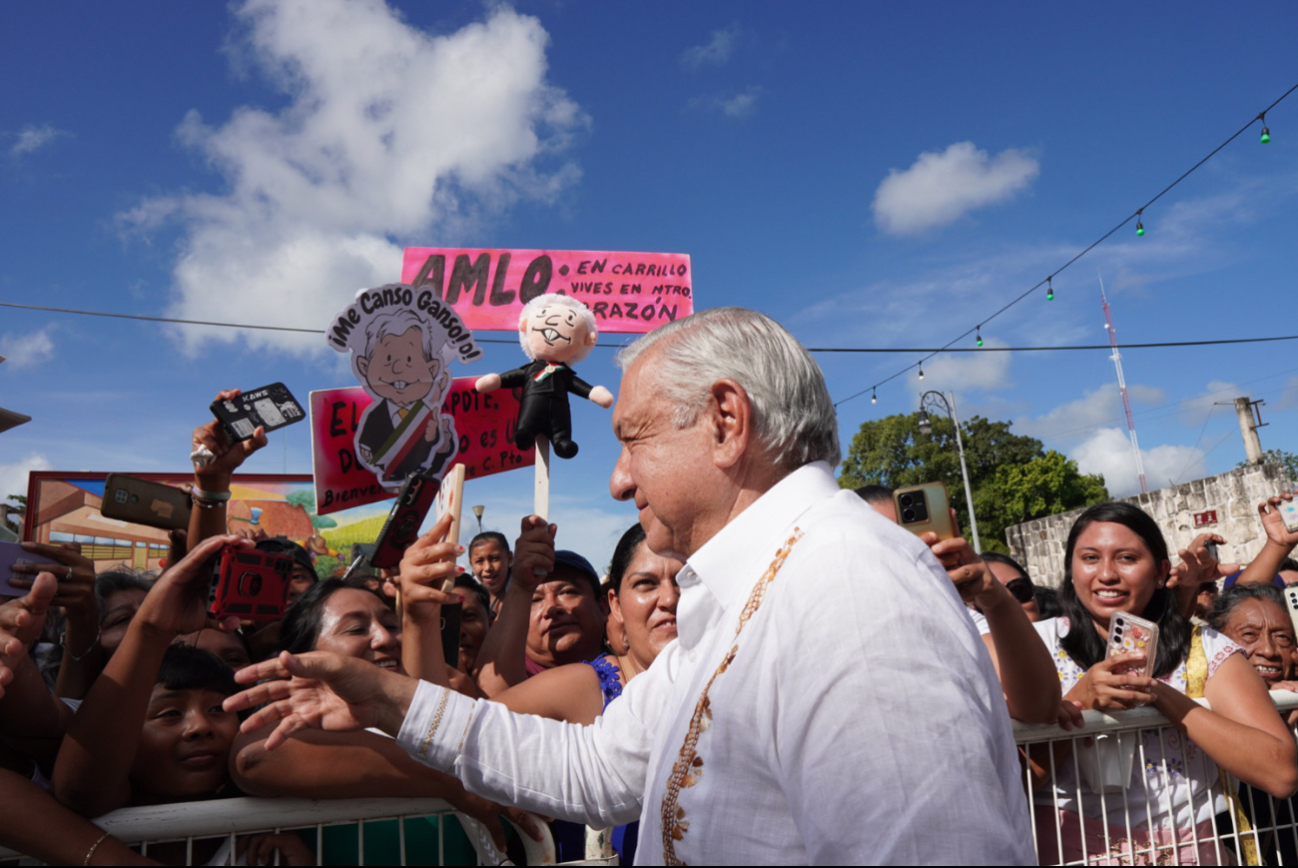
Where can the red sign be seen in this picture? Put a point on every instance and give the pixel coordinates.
(1203, 519)
(484, 427)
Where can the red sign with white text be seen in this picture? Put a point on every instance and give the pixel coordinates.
(484, 425)
(1203, 519)
(629, 293)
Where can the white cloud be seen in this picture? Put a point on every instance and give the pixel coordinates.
(33, 137)
(1196, 410)
(27, 350)
(715, 52)
(939, 188)
(966, 370)
(737, 105)
(1289, 396)
(1098, 406)
(13, 477)
(1108, 451)
(391, 135)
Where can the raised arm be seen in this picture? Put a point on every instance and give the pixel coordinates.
(424, 567)
(1280, 543)
(212, 473)
(91, 775)
(32, 721)
(1022, 661)
(83, 658)
(501, 663)
(32, 822)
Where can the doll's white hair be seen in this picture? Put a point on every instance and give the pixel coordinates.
(554, 298)
(404, 320)
(793, 417)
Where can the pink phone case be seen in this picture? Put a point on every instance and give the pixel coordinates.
(1128, 633)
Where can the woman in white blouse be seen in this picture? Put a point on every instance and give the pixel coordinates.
(1116, 560)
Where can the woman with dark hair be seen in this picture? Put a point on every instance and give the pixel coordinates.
(1257, 620)
(354, 621)
(1116, 560)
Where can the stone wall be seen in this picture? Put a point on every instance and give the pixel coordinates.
(1039, 545)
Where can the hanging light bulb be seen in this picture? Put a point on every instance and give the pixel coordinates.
(874, 396)
(979, 334)
(1266, 133)
(1050, 290)
(1140, 227)
(921, 370)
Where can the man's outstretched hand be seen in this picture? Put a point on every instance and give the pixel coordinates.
(321, 690)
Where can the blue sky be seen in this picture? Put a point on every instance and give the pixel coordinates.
(873, 175)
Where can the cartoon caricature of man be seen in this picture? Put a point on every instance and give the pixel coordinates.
(403, 432)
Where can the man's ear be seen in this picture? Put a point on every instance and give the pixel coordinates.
(731, 414)
(592, 337)
(363, 365)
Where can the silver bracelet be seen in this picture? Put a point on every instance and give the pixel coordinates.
(209, 496)
(63, 640)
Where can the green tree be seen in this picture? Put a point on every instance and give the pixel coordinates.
(1046, 485)
(1280, 456)
(14, 520)
(892, 451)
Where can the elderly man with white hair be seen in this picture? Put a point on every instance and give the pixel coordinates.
(828, 700)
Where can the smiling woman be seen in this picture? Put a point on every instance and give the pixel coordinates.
(1116, 560)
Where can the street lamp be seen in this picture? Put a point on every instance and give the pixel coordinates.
(935, 401)
(477, 513)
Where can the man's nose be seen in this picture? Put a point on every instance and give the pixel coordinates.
(620, 484)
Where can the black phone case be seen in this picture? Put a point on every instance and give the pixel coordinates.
(270, 407)
(402, 527)
(451, 633)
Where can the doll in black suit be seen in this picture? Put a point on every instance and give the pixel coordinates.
(555, 331)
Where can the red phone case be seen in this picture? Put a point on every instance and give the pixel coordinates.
(250, 585)
(402, 527)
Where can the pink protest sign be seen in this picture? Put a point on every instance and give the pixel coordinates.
(484, 425)
(628, 292)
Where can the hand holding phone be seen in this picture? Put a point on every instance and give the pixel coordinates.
(12, 554)
(128, 498)
(1131, 634)
(269, 408)
(400, 531)
(249, 584)
(925, 509)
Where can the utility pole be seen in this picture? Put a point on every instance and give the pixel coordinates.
(1250, 419)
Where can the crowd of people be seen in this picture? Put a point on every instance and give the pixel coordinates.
(118, 689)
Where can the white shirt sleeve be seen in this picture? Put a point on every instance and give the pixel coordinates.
(588, 774)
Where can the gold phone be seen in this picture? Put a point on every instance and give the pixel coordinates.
(925, 508)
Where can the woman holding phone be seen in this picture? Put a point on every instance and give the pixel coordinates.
(1116, 560)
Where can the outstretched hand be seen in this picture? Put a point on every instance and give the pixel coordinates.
(1199, 565)
(321, 690)
(1273, 523)
(177, 602)
(969, 572)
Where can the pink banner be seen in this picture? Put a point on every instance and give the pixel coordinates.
(628, 292)
(484, 424)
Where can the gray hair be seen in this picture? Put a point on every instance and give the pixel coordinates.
(793, 417)
(399, 323)
(555, 298)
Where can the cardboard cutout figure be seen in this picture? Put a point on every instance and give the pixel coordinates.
(401, 354)
(555, 331)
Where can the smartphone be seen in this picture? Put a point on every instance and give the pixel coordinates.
(269, 407)
(1128, 633)
(1212, 550)
(925, 508)
(1288, 510)
(12, 554)
(127, 498)
(1291, 598)
(401, 529)
(249, 584)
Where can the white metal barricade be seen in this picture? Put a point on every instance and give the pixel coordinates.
(189, 822)
(1105, 769)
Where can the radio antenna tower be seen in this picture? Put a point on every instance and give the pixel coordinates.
(1122, 387)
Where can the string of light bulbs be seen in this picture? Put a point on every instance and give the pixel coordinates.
(1048, 281)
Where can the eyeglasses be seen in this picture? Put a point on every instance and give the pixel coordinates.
(1021, 589)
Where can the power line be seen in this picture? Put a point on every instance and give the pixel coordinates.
(1096, 243)
(904, 350)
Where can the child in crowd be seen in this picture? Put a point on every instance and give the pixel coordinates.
(490, 559)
